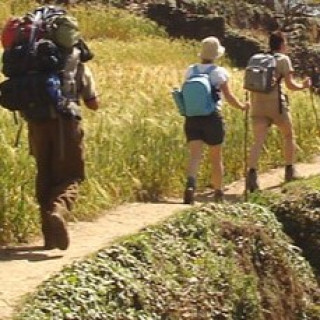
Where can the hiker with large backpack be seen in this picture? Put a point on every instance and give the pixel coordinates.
(269, 105)
(46, 79)
(201, 105)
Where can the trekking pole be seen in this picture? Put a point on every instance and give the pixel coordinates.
(18, 136)
(314, 110)
(245, 151)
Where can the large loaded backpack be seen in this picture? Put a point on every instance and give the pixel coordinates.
(36, 47)
(260, 75)
(197, 97)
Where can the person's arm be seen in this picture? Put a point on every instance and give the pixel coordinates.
(231, 99)
(292, 84)
(92, 103)
(88, 92)
(286, 70)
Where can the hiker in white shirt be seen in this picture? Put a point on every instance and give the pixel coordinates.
(209, 129)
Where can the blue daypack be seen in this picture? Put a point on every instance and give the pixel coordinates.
(196, 97)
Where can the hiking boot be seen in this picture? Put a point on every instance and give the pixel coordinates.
(290, 173)
(49, 240)
(48, 245)
(218, 196)
(188, 197)
(48, 236)
(59, 229)
(251, 180)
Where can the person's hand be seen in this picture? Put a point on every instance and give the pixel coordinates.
(92, 104)
(246, 106)
(306, 83)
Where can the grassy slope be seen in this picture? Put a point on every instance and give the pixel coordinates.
(297, 208)
(211, 262)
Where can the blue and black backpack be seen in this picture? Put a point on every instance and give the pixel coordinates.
(197, 96)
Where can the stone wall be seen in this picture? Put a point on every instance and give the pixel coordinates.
(182, 19)
(179, 23)
(240, 48)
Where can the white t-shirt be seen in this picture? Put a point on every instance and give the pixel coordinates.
(218, 76)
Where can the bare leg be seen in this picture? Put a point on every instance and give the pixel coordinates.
(289, 149)
(217, 166)
(260, 129)
(195, 155)
(288, 142)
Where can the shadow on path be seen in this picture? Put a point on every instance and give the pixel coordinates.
(206, 196)
(29, 253)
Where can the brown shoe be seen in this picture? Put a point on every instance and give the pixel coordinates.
(290, 173)
(188, 197)
(59, 229)
(49, 242)
(48, 236)
(218, 196)
(251, 180)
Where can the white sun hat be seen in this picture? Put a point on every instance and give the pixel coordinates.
(211, 49)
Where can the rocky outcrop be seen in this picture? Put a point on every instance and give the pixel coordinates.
(226, 20)
(179, 23)
(240, 48)
(302, 31)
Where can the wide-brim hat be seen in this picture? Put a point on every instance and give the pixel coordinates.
(211, 49)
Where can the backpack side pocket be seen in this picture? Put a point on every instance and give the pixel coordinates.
(178, 99)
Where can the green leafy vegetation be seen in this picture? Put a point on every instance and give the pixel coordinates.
(213, 261)
(135, 148)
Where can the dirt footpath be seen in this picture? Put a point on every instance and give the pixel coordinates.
(23, 268)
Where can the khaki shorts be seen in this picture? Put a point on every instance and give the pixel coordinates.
(270, 111)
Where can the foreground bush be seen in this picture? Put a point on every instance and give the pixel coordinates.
(135, 147)
(212, 262)
(300, 216)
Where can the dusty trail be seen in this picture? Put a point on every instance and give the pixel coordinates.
(23, 268)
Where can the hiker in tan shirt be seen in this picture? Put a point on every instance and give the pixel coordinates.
(56, 142)
(273, 108)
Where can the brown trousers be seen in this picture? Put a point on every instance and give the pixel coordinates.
(57, 145)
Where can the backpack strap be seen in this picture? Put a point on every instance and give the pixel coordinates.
(36, 20)
(279, 87)
(280, 94)
(210, 69)
(195, 70)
